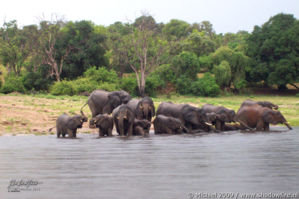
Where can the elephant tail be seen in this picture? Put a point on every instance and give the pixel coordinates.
(50, 129)
(83, 107)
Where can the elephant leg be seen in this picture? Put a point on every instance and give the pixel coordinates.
(130, 130)
(75, 133)
(218, 125)
(169, 131)
(266, 126)
(101, 132)
(58, 134)
(109, 132)
(260, 125)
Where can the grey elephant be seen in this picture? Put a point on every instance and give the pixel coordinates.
(123, 117)
(192, 118)
(68, 125)
(104, 122)
(141, 127)
(223, 116)
(268, 104)
(259, 117)
(143, 108)
(168, 125)
(101, 101)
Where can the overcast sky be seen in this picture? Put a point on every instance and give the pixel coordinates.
(225, 15)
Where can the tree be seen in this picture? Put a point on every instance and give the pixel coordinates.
(274, 50)
(223, 74)
(143, 50)
(13, 50)
(49, 35)
(237, 61)
(186, 63)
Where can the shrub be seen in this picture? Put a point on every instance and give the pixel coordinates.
(84, 84)
(183, 85)
(205, 86)
(62, 88)
(35, 81)
(186, 63)
(108, 86)
(101, 75)
(129, 84)
(165, 73)
(13, 84)
(153, 84)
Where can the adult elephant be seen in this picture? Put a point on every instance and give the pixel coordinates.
(192, 117)
(123, 117)
(268, 104)
(143, 108)
(101, 101)
(104, 122)
(259, 117)
(223, 115)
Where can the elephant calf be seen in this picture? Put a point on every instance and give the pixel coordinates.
(141, 127)
(168, 125)
(123, 117)
(66, 124)
(104, 122)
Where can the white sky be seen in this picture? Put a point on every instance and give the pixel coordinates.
(225, 15)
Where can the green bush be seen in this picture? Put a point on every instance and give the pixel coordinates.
(35, 81)
(84, 84)
(183, 85)
(153, 84)
(13, 84)
(63, 88)
(108, 86)
(205, 86)
(166, 73)
(101, 75)
(129, 84)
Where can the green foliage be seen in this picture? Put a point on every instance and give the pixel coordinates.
(186, 64)
(206, 63)
(84, 84)
(108, 86)
(129, 84)
(165, 73)
(153, 84)
(35, 81)
(176, 29)
(183, 85)
(13, 84)
(205, 86)
(101, 75)
(223, 74)
(274, 50)
(62, 88)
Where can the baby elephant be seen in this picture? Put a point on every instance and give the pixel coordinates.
(141, 127)
(104, 122)
(66, 124)
(168, 125)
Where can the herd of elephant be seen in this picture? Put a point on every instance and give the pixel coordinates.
(134, 117)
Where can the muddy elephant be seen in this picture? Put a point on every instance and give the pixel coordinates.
(223, 115)
(104, 122)
(259, 117)
(143, 108)
(168, 125)
(141, 127)
(123, 117)
(66, 124)
(268, 104)
(101, 101)
(192, 118)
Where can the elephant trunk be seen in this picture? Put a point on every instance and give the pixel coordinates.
(121, 126)
(146, 110)
(287, 124)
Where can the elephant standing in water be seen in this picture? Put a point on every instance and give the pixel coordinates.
(223, 115)
(141, 127)
(249, 102)
(169, 125)
(123, 117)
(104, 122)
(66, 124)
(259, 117)
(101, 101)
(143, 108)
(191, 117)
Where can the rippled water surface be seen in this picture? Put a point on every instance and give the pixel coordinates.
(153, 167)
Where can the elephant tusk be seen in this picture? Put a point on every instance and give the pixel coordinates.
(287, 124)
(208, 124)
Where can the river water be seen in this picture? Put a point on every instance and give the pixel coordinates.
(178, 166)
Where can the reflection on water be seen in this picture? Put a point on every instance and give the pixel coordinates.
(153, 167)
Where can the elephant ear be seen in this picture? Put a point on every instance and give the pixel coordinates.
(269, 117)
(114, 100)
